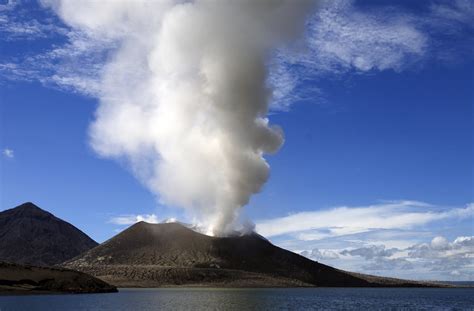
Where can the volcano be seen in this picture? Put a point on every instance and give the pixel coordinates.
(170, 254)
(30, 235)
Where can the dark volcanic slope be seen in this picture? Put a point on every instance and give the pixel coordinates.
(21, 279)
(30, 235)
(171, 254)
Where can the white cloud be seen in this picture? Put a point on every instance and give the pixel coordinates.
(131, 219)
(391, 239)
(370, 252)
(320, 254)
(341, 38)
(462, 241)
(9, 153)
(382, 264)
(344, 37)
(446, 257)
(345, 220)
(440, 247)
(452, 261)
(439, 243)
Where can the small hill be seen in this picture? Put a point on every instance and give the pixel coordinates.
(153, 255)
(22, 279)
(30, 235)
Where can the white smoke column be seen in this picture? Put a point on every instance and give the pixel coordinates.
(184, 99)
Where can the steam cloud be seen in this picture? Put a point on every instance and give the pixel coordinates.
(184, 97)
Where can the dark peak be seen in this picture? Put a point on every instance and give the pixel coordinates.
(139, 225)
(32, 235)
(28, 209)
(28, 206)
(164, 226)
(161, 224)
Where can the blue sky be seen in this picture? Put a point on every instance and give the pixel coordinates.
(376, 172)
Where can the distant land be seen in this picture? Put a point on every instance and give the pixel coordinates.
(30, 235)
(25, 279)
(154, 255)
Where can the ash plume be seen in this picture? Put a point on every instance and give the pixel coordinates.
(184, 97)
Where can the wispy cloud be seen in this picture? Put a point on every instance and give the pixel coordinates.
(350, 220)
(8, 5)
(456, 11)
(343, 38)
(9, 153)
(17, 23)
(75, 66)
(131, 219)
(11, 29)
(68, 59)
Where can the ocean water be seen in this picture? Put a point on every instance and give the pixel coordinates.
(252, 299)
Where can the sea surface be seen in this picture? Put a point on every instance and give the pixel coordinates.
(252, 299)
